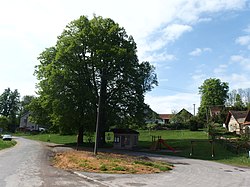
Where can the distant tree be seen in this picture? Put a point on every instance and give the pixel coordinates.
(231, 98)
(10, 107)
(4, 122)
(239, 105)
(25, 101)
(213, 93)
(239, 99)
(40, 113)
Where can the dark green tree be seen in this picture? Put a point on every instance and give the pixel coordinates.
(94, 66)
(40, 113)
(213, 93)
(10, 106)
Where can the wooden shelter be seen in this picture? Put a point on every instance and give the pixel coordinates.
(125, 138)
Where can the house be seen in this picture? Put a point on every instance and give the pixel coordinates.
(215, 110)
(185, 113)
(238, 121)
(165, 118)
(125, 138)
(25, 124)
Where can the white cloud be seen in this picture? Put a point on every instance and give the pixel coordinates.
(159, 57)
(243, 40)
(174, 31)
(243, 61)
(238, 80)
(221, 69)
(166, 35)
(199, 51)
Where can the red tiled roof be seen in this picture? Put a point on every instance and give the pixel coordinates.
(165, 116)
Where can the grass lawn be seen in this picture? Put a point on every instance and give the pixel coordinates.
(54, 138)
(6, 144)
(180, 140)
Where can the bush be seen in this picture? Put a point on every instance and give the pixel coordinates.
(193, 123)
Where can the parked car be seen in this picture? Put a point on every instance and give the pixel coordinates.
(7, 137)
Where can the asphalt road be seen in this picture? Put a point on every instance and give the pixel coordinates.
(187, 173)
(27, 165)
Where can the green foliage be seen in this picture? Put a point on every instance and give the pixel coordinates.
(9, 103)
(4, 122)
(94, 63)
(151, 126)
(180, 120)
(215, 129)
(40, 113)
(6, 144)
(239, 99)
(193, 123)
(213, 93)
(26, 100)
(239, 105)
(10, 107)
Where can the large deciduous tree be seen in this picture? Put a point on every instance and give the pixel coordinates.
(213, 93)
(94, 64)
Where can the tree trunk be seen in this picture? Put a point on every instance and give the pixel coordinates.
(102, 110)
(80, 136)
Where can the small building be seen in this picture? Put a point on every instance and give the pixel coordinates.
(238, 121)
(25, 124)
(166, 118)
(125, 138)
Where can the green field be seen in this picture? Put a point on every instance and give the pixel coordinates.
(6, 144)
(180, 140)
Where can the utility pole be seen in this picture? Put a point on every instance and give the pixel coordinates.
(97, 127)
(194, 109)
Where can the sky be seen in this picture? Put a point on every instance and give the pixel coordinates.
(188, 41)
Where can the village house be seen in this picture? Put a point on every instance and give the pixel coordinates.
(25, 123)
(238, 121)
(166, 118)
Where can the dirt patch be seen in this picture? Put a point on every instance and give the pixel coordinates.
(108, 163)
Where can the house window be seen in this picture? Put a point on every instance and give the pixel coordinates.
(127, 140)
(25, 120)
(117, 139)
